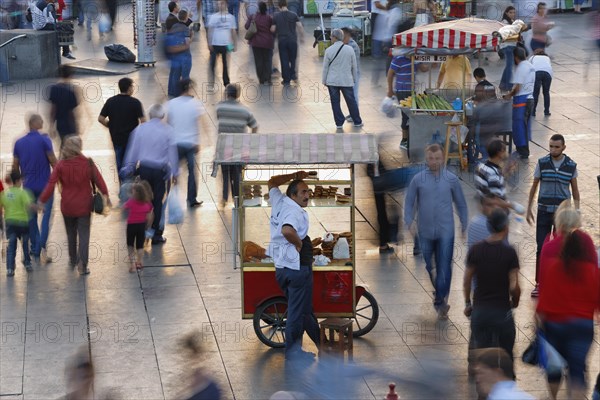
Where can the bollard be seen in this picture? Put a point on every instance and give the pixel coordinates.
(392, 393)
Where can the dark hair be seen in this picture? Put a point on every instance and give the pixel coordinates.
(496, 358)
(185, 85)
(262, 7)
(172, 6)
(232, 91)
(125, 84)
(505, 15)
(142, 192)
(282, 3)
(497, 221)
(182, 15)
(292, 189)
(14, 176)
(558, 136)
(65, 71)
(479, 73)
(495, 147)
(540, 5)
(434, 148)
(519, 53)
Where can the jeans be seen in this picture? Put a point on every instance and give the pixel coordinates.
(92, 13)
(157, 180)
(181, 66)
(572, 339)
(441, 275)
(78, 227)
(348, 93)
(493, 327)
(505, 81)
(288, 51)
(521, 125)
(262, 61)
(13, 233)
(188, 151)
(39, 235)
(119, 155)
(233, 7)
(543, 80)
(231, 175)
(543, 227)
(222, 50)
(297, 285)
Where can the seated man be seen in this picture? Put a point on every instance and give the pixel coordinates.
(43, 17)
(484, 90)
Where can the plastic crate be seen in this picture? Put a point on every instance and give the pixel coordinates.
(323, 45)
(65, 32)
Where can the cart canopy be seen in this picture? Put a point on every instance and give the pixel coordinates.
(451, 37)
(294, 149)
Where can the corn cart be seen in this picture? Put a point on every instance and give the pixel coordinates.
(332, 218)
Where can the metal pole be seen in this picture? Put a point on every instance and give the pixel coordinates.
(235, 229)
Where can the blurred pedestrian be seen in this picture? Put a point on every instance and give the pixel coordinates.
(424, 11)
(431, 194)
(139, 217)
(178, 41)
(288, 29)
(221, 37)
(111, 6)
(208, 7)
(455, 73)
(80, 376)
(522, 96)
(569, 297)
(233, 8)
(506, 51)
(540, 25)
(152, 154)
(201, 385)
(233, 117)
(543, 79)
(75, 173)
(340, 74)
(63, 103)
(494, 264)
(16, 205)
(121, 114)
(349, 40)
(379, 24)
(495, 376)
(262, 43)
(399, 84)
(555, 173)
(33, 157)
(183, 114)
(91, 12)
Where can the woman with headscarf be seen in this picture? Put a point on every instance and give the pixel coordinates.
(569, 287)
(76, 173)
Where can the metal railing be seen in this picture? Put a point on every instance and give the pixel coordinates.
(9, 41)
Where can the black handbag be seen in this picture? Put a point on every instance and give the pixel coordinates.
(531, 354)
(97, 199)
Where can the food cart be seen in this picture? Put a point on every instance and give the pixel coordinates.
(458, 37)
(332, 221)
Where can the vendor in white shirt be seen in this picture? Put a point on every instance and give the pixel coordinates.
(543, 79)
(291, 250)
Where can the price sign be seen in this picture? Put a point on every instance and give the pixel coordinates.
(430, 59)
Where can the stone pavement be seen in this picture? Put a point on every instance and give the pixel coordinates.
(131, 322)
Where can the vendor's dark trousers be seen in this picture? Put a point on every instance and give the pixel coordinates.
(231, 176)
(521, 132)
(493, 327)
(262, 61)
(297, 285)
(348, 93)
(222, 51)
(543, 227)
(401, 95)
(78, 228)
(543, 80)
(157, 181)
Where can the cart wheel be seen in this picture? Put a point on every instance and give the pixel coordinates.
(269, 322)
(367, 314)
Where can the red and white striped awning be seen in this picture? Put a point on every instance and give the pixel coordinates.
(467, 33)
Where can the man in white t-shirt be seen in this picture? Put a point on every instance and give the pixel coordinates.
(543, 79)
(291, 250)
(522, 95)
(183, 115)
(221, 39)
(378, 11)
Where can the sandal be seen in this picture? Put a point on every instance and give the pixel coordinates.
(139, 266)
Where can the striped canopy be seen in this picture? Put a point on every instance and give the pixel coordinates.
(466, 33)
(300, 148)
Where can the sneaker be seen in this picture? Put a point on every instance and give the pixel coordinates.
(547, 114)
(28, 268)
(443, 311)
(195, 203)
(84, 271)
(37, 260)
(359, 125)
(70, 56)
(536, 291)
(386, 250)
(10, 272)
(46, 259)
(349, 119)
(159, 240)
(339, 127)
(404, 144)
(416, 251)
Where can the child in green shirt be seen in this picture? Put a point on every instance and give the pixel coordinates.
(17, 204)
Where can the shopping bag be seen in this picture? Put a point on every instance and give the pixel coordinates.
(388, 106)
(174, 208)
(104, 23)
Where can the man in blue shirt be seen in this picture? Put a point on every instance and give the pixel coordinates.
(32, 157)
(400, 70)
(432, 193)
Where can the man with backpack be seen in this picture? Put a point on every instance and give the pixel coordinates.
(42, 15)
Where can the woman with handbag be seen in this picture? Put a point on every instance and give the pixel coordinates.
(78, 178)
(569, 283)
(540, 25)
(260, 38)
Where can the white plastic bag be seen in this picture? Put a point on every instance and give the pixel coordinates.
(388, 106)
(341, 250)
(175, 211)
(104, 23)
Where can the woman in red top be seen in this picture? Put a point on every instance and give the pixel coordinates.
(74, 172)
(569, 295)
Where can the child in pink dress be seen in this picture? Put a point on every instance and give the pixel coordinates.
(140, 215)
